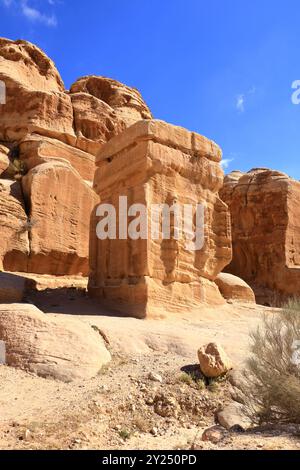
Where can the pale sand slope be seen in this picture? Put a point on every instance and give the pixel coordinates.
(92, 414)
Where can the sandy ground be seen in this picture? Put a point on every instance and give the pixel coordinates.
(122, 408)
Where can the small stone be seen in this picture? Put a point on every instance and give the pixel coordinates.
(233, 416)
(214, 434)
(155, 377)
(154, 431)
(27, 435)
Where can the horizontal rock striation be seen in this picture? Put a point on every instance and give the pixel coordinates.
(153, 162)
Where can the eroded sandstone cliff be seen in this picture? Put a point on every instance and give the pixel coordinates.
(264, 207)
(150, 163)
(48, 140)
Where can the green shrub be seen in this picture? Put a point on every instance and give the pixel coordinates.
(125, 434)
(272, 375)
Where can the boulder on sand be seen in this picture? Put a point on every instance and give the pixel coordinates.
(213, 360)
(234, 288)
(50, 346)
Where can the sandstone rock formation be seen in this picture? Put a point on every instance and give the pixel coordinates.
(264, 207)
(12, 288)
(213, 360)
(156, 163)
(125, 101)
(60, 207)
(42, 123)
(35, 96)
(234, 288)
(64, 349)
(4, 160)
(35, 150)
(14, 242)
(95, 122)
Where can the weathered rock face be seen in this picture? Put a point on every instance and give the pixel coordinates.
(12, 288)
(64, 349)
(4, 160)
(40, 123)
(96, 109)
(264, 206)
(14, 242)
(95, 122)
(127, 102)
(155, 163)
(35, 97)
(60, 206)
(234, 288)
(35, 150)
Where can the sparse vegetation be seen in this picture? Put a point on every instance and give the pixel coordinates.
(27, 226)
(272, 377)
(17, 168)
(125, 434)
(142, 423)
(213, 386)
(200, 384)
(104, 369)
(197, 380)
(186, 378)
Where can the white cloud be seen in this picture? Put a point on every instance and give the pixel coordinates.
(240, 103)
(225, 162)
(241, 99)
(35, 15)
(31, 13)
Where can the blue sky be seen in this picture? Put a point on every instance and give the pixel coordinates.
(223, 68)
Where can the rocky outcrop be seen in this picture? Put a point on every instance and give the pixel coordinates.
(41, 123)
(213, 360)
(14, 241)
(64, 349)
(60, 206)
(126, 102)
(264, 207)
(234, 288)
(95, 122)
(151, 163)
(90, 114)
(35, 150)
(35, 96)
(12, 288)
(4, 160)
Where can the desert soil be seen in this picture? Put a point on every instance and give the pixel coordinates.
(122, 407)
